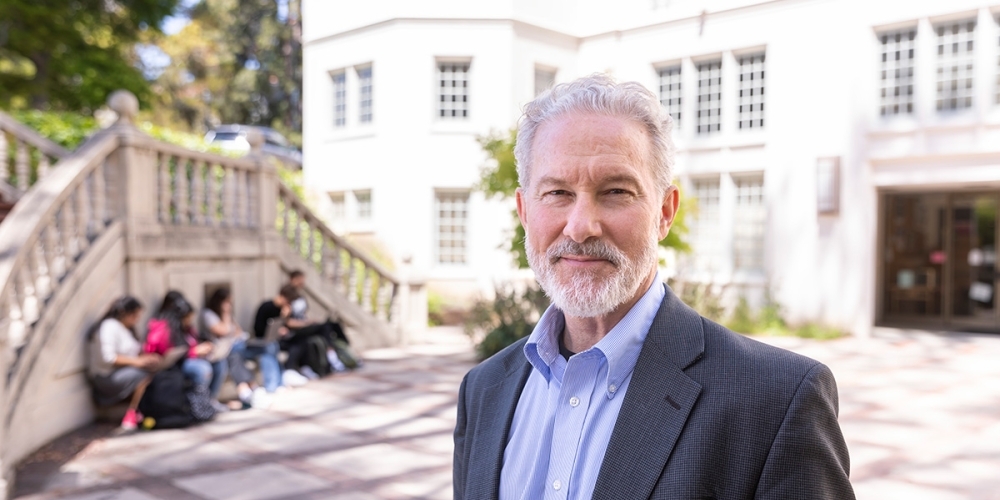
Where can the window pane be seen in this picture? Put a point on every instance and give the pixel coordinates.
(955, 64)
(453, 90)
(705, 240)
(339, 99)
(750, 218)
(365, 94)
(896, 86)
(544, 80)
(364, 204)
(709, 97)
(751, 110)
(451, 216)
(670, 92)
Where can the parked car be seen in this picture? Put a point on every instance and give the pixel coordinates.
(234, 138)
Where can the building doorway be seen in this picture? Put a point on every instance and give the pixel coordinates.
(939, 260)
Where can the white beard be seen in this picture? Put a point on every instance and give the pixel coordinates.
(591, 294)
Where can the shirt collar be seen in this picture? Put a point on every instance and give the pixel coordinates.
(620, 346)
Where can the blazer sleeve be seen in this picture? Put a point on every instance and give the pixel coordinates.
(460, 463)
(808, 458)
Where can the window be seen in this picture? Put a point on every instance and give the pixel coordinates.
(955, 54)
(451, 216)
(453, 90)
(544, 80)
(365, 94)
(339, 207)
(705, 224)
(364, 204)
(339, 99)
(751, 111)
(897, 71)
(998, 70)
(709, 96)
(670, 92)
(748, 225)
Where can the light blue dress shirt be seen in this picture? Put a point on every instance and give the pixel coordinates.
(582, 395)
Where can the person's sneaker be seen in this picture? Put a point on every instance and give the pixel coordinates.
(261, 399)
(309, 373)
(131, 420)
(335, 362)
(219, 407)
(292, 378)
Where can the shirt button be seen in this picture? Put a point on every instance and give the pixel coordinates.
(556, 485)
(574, 402)
(612, 388)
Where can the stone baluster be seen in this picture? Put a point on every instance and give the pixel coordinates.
(243, 199)
(336, 267)
(286, 218)
(297, 235)
(50, 239)
(82, 216)
(366, 290)
(22, 166)
(66, 233)
(180, 191)
(394, 304)
(352, 280)
(212, 193)
(4, 165)
(311, 247)
(101, 217)
(197, 196)
(43, 165)
(163, 173)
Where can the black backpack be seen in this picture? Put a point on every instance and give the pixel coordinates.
(172, 401)
(165, 400)
(315, 355)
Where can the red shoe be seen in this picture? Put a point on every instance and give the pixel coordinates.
(131, 420)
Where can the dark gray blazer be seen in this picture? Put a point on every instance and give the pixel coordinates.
(709, 414)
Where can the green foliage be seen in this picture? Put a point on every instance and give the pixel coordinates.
(71, 55)
(435, 309)
(499, 180)
(65, 129)
(510, 316)
(235, 62)
(701, 297)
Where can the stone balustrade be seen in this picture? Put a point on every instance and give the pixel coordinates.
(25, 156)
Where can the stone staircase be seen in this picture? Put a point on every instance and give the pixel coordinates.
(126, 214)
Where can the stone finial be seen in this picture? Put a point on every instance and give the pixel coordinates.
(125, 104)
(256, 139)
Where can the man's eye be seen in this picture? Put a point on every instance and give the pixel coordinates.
(617, 191)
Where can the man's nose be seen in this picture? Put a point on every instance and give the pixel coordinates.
(583, 221)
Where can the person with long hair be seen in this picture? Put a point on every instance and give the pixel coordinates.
(218, 326)
(118, 370)
(173, 325)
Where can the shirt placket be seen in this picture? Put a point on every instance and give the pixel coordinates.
(569, 419)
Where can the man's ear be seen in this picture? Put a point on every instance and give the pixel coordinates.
(668, 210)
(521, 210)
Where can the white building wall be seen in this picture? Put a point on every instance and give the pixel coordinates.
(822, 84)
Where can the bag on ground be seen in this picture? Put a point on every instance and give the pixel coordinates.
(346, 354)
(316, 356)
(165, 400)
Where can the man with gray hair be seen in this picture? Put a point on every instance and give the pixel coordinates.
(622, 391)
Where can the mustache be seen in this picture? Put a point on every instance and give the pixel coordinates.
(598, 249)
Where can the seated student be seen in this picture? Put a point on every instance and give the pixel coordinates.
(217, 326)
(117, 369)
(279, 308)
(299, 323)
(172, 326)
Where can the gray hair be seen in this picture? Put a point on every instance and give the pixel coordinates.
(600, 94)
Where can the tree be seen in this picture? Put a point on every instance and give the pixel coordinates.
(499, 180)
(235, 62)
(69, 55)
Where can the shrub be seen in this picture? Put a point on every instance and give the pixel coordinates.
(509, 317)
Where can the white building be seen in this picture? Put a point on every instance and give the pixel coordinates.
(845, 154)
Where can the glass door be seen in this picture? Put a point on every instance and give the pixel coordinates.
(973, 272)
(914, 257)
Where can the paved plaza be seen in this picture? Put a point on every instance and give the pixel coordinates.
(921, 413)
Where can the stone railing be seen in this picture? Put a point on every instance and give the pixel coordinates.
(44, 238)
(363, 281)
(25, 156)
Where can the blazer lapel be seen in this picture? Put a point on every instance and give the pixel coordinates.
(657, 404)
(497, 404)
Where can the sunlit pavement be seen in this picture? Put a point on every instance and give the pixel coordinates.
(921, 413)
